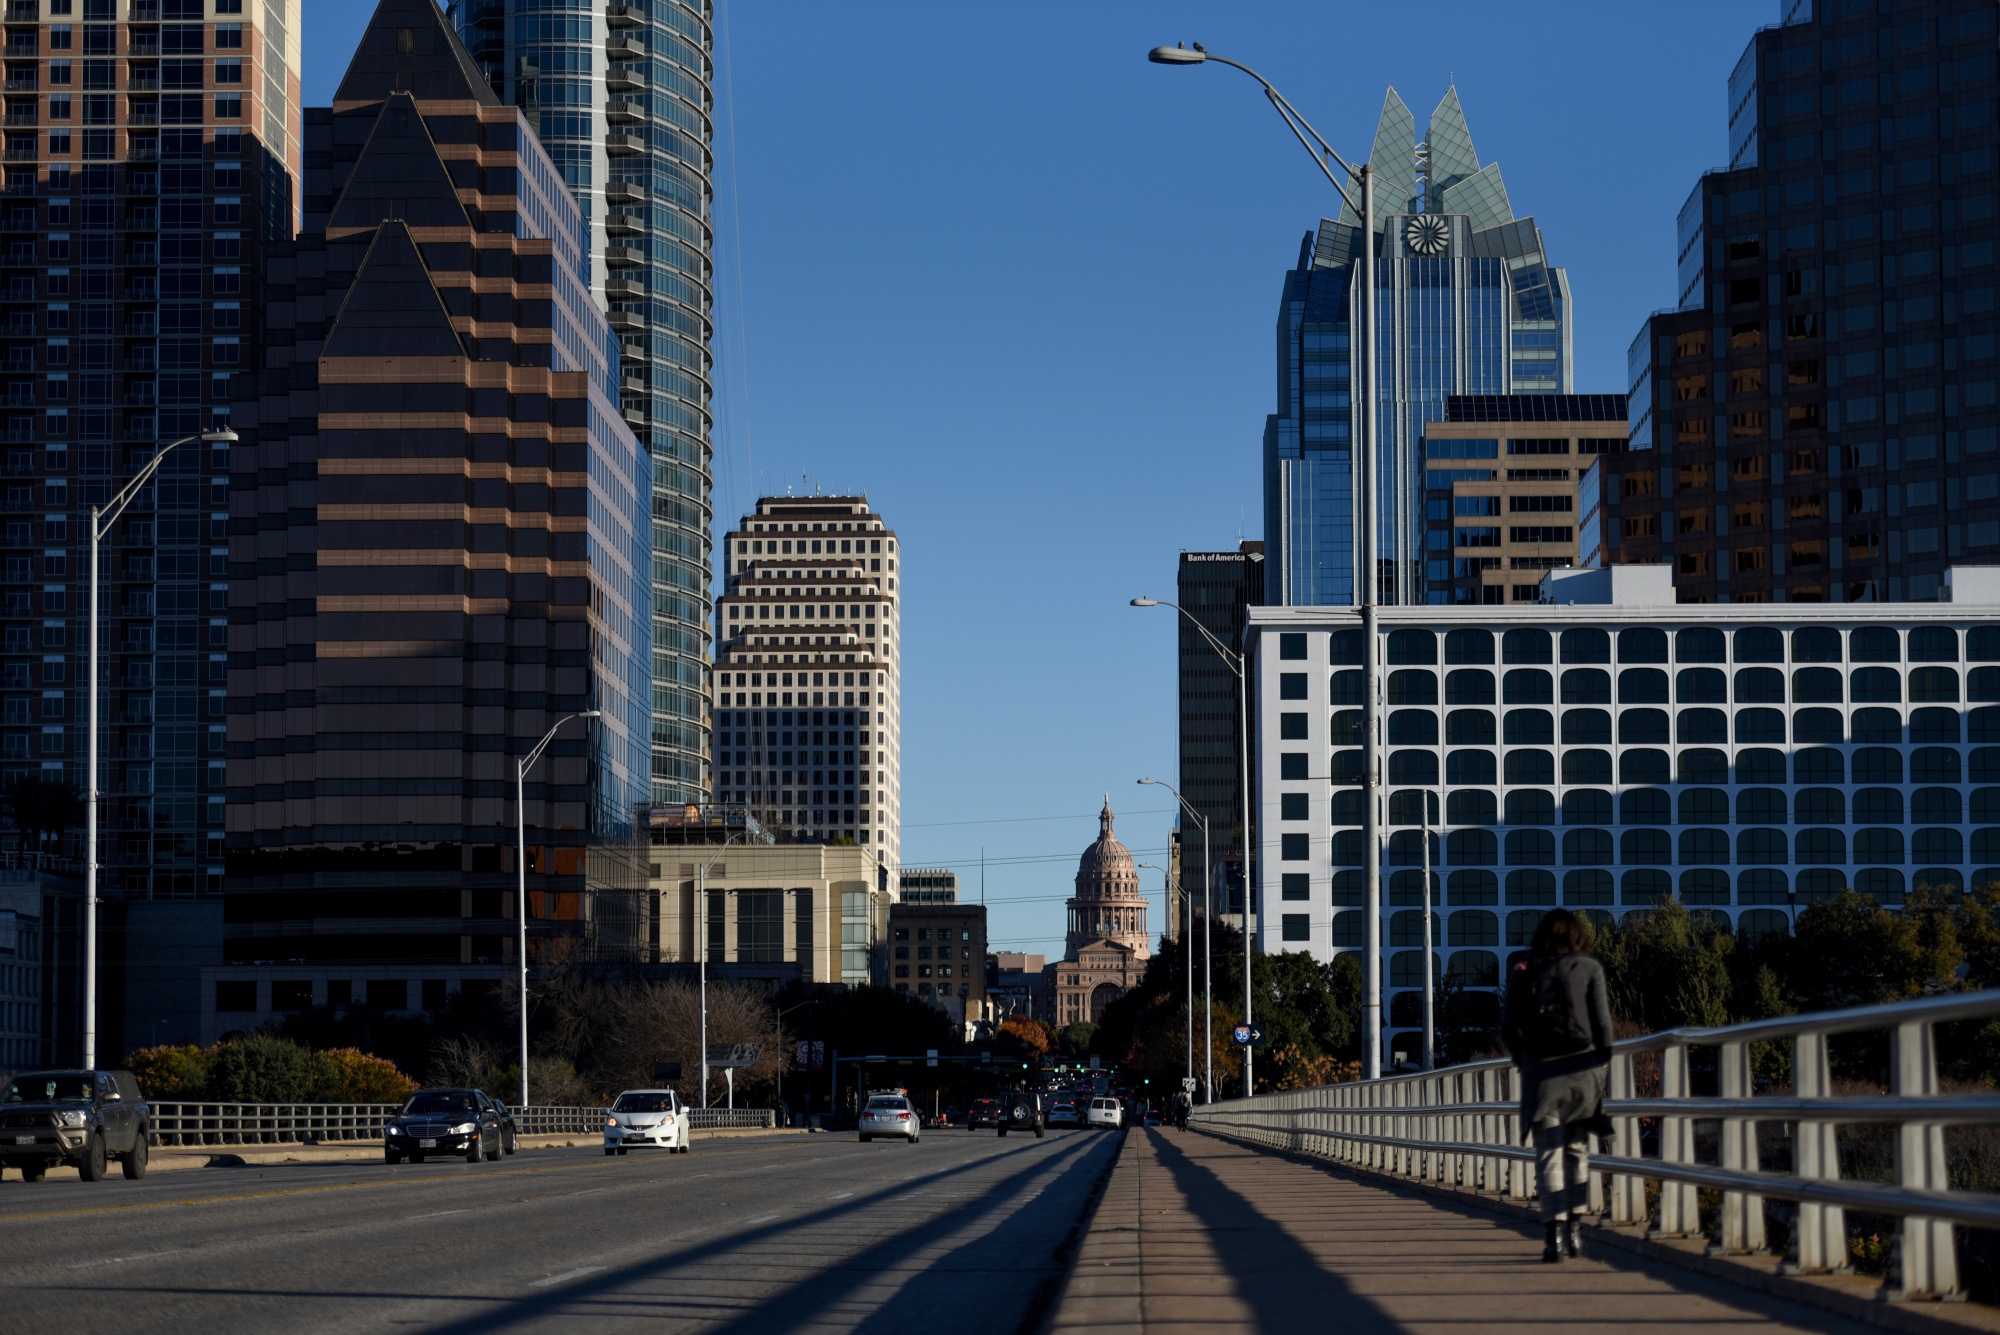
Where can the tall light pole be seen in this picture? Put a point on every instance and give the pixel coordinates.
(1174, 891)
(521, 768)
(701, 950)
(1207, 956)
(1234, 662)
(1356, 187)
(101, 521)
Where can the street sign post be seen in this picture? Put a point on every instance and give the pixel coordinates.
(730, 1057)
(930, 1056)
(1249, 1035)
(1187, 1084)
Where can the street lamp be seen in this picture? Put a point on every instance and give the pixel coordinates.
(521, 768)
(1207, 957)
(101, 521)
(701, 950)
(1234, 662)
(1361, 199)
(1175, 891)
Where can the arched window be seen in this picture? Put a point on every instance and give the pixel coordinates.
(1646, 645)
(1933, 724)
(1698, 644)
(1586, 686)
(1646, 848)
(1762, 686)
(1821, 806)
(1586, 727)
(1407, 887)
(1762, 886)
(1587, 848)
(1348, 929)
(1933, 764)
(1757, 806)
(1586, 887)
(1475, 927)
(1406, 848)
(1521, 925)
(1413, 767)
(1468, 686)
(1816, 644)
(1531, 887)
(1412, 727)
(1468, 646)
(1760, 725)
(1645, 806)
(1936, 806)
(1474, 887)
(1471, 767)
(1406, 968)
(1817, 686)
(1587, 806)
(1819, 884)
(1642, 727)
(1413, 686)
(1529, 727)
(1700, 686)
(1760, 644)
(1762, 848)
(1757, 924)
(1877, 685)
(1528, 686)
(1704, 885)
(1528, 766)
(1469, 727)
(1943, 845)
(1933, 685)
(1470, 806)
(1645, 886)
(1884, 885)
(1413, 646)
(1348, 889)
(1586, 645)
(1525, 646)
(1530, 848)
(1819, 764)
(1642, 686)
(1474, 968)
(1878, 846)
(1580, 766)
(1471, 848)
(1645, 765)
(1818, 726)
(1819, 846)
(1696, 726)
(1704, 848)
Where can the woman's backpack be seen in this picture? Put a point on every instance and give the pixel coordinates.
(1553, 1021)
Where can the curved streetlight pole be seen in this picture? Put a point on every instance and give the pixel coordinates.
(521, 768)
(101, 521)
(1174, 892)
(1234, 662)
(1356, 187)
(1207, 957)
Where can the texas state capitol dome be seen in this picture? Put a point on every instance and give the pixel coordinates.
(1106, 943)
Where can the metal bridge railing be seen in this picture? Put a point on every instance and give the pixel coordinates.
(186, 1123)
(1459, 1127)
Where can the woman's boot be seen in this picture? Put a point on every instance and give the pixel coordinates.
(1573, 1238)
(1550, 1252)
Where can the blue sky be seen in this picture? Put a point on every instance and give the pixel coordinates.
(986, 264)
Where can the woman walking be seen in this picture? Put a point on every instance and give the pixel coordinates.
(1557, 1028)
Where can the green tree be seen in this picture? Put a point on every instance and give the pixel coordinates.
(1850, 951)
(1076, 1039)
(1667, 967)
(260, 1069)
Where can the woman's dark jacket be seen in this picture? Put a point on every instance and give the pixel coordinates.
(1557, 1027)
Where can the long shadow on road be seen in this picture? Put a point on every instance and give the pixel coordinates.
(829, 1277)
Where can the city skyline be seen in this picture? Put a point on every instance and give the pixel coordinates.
(879, 203)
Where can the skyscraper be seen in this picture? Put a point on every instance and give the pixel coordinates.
(809, 672)
(438, 552)
(1217, 589)
(1819, 422)
(1466, 303)
(620, 96)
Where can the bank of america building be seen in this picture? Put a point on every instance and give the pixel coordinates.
(1467, 303)
(1608, 750)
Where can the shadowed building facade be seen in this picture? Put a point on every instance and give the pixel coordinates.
(438, 549)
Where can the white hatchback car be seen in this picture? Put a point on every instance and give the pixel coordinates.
(888, 1115)
(647, 1119)
(1107, 1113)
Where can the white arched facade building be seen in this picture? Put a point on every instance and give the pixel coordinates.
(1105, 952)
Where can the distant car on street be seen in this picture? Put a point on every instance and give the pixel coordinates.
(84, 1119)
(646, 1119)
(1153, 1117)
(1105, 1114)
(889, 1115)
(1063, 1113)
(508, 1131)
(983, 1112)
(458, 1122)
(1021, 1111)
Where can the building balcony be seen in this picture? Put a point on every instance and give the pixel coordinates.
(144, 44)
(24, 11)
(616, 288)
(624, 192)
(627, 321)
(623, 16)
(145, 11)
(26, 117)
(623, 255)
(613, 143)
(21, 81)
(23, 45)
(626, 224)
(19, 153)
(624, 48)
(623, 79)
(146, 80)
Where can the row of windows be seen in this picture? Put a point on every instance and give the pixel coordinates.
(1655, 806)
(1641, 685)
(1645, 727)
(1755, 847)
(1646, 765)
(1646, 644)
(1592, 887)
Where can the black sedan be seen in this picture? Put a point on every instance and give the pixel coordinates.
(460, 1122)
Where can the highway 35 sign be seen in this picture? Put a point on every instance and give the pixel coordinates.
(1249, 1035)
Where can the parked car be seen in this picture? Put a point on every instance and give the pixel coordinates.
(647, 1119)
(1021, 1111)
(1063, 1113)
(444, 1121)
(983, 1112)
(1153, 1118)
(888, 1115)
(81, 1118)
(508, 1131)
(1105, 1113)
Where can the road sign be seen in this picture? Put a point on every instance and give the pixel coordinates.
(802, 1054)
(1249, 1035)
(1188, 1083)
(930, 1056)
(819, 1055)
(728, 1056)
(667, 1073)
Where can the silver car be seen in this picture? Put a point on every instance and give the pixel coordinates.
(889, 1115)
(648, 1119)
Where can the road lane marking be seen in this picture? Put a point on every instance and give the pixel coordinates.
(840, 1195)
(437, 1214)
(565, 1277)
(760, 1219)
(116, 1260)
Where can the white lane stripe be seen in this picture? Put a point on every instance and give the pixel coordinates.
(840, 1195)
(565, 1277)
(116, 1260)
(436, 1214)
(760, 1219)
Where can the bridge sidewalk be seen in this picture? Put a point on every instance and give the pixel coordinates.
(1197, 1233)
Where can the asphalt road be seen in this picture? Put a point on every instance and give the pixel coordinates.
(964, 1231)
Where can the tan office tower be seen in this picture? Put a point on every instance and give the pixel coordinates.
(808, 673)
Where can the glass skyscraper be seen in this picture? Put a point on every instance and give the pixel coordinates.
(620, 96)
(1466, 303)
(1819, 421)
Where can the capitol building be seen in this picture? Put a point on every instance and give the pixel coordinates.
(1106, 945)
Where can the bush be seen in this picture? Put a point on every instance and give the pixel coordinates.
(170, 1072)
(260, 1069)
(349, 1075)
